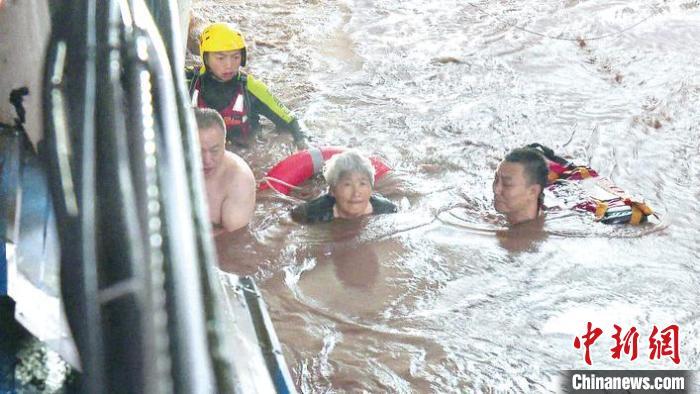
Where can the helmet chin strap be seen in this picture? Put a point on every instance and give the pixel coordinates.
(204, 63)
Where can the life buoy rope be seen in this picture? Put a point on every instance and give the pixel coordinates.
(267, 179)
(289, 173)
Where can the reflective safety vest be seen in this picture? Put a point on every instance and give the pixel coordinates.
(235, 113)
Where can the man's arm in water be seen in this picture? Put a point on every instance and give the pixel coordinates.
(239, 203)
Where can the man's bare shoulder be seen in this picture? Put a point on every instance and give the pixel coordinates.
(237, 171)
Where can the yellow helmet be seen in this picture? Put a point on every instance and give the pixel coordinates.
(219, 37)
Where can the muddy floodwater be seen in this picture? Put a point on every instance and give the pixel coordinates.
(439, 298)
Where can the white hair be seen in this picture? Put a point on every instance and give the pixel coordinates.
(345, 163)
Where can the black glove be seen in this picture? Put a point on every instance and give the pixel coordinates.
(299, 136)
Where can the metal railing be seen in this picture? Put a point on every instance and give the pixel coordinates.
(136, 253)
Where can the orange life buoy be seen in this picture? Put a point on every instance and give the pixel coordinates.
(302, 165)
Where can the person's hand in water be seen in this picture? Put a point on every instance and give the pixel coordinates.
(301, 144)
(301, 138)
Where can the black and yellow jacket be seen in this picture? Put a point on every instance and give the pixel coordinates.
(205, 91)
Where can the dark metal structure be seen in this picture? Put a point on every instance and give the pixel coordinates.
(145, 303)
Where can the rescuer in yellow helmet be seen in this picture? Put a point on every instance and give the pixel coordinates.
(238, 97)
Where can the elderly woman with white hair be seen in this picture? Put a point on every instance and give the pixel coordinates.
(350, 177)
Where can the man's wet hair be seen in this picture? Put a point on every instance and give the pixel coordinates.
(208, 118)
(534, 166)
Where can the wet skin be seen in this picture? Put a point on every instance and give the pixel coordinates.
(213, 149)
(224, 65)
(229, 183)
(352, 193)
(513, 194)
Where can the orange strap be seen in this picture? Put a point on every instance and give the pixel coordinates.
(644, 208)
(639, 212)
(584, 172)
(636, 216)
(600, 209)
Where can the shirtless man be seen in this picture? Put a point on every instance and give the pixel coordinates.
(519, 184)
(229, 181)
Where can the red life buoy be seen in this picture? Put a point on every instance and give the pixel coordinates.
(302, 165)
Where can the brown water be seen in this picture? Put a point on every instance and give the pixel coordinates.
(437, 298)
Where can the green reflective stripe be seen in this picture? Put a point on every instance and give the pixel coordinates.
(262, 93)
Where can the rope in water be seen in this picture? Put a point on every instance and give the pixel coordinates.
(267, 180)
(578, 39)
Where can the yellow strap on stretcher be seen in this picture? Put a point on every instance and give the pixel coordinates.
(637, 216)
(584, 172)
(639, 209)
(639, 212)
(646, 210)
(600, 209)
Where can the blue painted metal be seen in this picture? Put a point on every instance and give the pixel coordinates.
(9, 170)
(267, 338)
